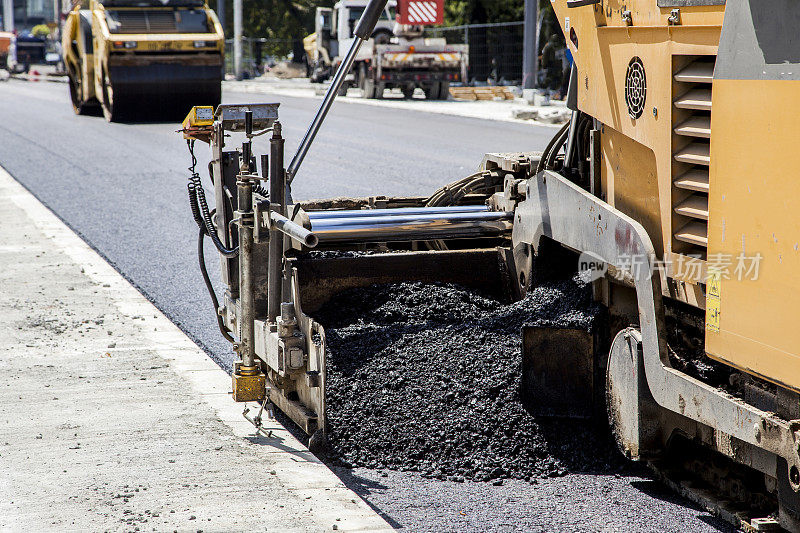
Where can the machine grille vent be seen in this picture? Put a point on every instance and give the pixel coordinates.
(691, 124)
(142, 22)
(635, 88)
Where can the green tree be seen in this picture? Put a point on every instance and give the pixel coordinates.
(458, 12)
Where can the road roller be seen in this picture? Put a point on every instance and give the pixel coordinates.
(152, 59)
(673, 188)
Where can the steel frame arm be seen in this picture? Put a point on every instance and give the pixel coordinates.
(557, 208)
(363, 31)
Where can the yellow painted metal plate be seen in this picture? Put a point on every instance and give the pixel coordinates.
(198, 123)
(754, 205)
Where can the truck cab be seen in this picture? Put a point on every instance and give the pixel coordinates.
(398, 55)
(345, 16)
(334, 32)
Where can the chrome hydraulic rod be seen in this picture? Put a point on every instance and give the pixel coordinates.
(362, 33)
(293, 230)
(370, 213)
(412, 227)
(277, 194)
(245, 216)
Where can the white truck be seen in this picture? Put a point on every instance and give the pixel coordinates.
(397, 55)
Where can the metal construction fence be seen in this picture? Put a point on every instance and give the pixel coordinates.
(495, 50)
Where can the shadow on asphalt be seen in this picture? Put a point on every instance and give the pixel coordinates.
(364, 488)
(659, 491)
(361, 486)
(595, 439)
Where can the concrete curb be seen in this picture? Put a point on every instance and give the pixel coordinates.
(42, 77)
(484, 110)
(304, 484)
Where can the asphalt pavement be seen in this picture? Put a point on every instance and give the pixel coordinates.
(122, 188)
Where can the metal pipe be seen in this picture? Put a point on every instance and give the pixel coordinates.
(8, 16)
(221, 14)
(293, 230)
(412, 227)
(369, 213)
(530, 48)
(330, 96)
(237, 39)
(275, 252)
(362, 32)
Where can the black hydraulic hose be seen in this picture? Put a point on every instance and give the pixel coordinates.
(200, 212)
(201, 257)
(560, 140)
(205, 225)
(553, 141)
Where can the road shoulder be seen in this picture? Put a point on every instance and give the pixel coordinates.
(111, 418)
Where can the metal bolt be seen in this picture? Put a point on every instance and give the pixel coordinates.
(655, 112)
(757, 432)
(627, 18)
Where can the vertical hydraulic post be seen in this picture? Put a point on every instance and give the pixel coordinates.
(249, 383)
(277, 198)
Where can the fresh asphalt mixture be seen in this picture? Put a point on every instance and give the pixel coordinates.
(426, 378)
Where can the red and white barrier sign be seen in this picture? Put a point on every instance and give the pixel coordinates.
(420, 12)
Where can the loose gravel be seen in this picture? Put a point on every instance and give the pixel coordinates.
(426, 378)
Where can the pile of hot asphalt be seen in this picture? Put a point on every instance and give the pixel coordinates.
(426, 378)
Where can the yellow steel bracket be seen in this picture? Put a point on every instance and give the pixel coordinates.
(199, 124)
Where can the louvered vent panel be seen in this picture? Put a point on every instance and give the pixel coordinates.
(144, 22)
(692, 151)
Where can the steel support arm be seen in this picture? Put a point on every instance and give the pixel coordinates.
(363, 32)
(564, 212)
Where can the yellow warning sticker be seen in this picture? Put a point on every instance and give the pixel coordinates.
(713, 301)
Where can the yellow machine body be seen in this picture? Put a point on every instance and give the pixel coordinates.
(754, 201)
(707, 168)
(139, 58)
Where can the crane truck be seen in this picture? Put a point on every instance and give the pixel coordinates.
(396, 56)
(672, 185)
(136, 59)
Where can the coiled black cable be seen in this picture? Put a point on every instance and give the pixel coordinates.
(261, 191)
(200, 212)
(199, 207)
(203, 218)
